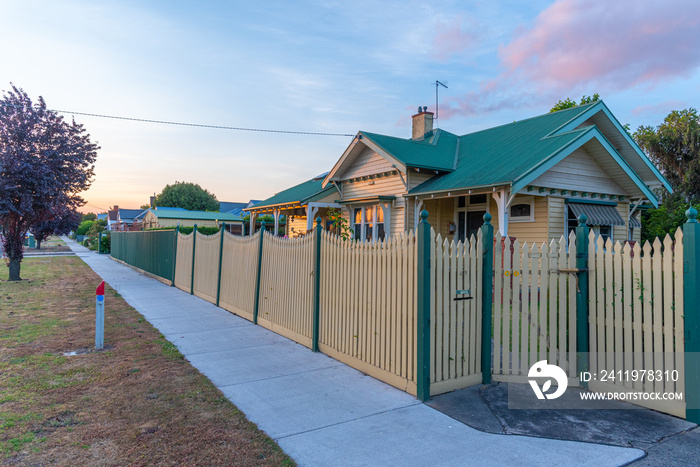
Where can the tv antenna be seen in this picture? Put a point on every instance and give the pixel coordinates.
(437, 86)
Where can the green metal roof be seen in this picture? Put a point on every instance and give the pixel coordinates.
(502, 155)
(436, 152)
(310, 190)
(196, 215)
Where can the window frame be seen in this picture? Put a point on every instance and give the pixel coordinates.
(364, 223)
(528, 200)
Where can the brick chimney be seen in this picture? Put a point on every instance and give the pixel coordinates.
(422, 124)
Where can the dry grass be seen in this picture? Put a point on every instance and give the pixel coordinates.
(138, 402)
(51, 245)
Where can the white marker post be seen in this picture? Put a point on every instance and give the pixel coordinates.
(100, 316)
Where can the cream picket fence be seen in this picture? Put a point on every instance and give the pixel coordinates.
(239, 268)
(636, 318)
(455, 324)
(183, 262)
(534, 307)
(286, 287)
(206, 266)
(368, 306)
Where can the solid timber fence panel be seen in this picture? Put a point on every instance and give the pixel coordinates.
(368, 306)
(636, 316)
(286, 287)
(151, 251)
(238, 273)
(456, 324)
(183, 261)
(206, 266)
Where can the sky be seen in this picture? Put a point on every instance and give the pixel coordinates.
(326, 67)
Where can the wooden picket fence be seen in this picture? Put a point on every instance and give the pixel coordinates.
(239, 268)
(456, 324)
(636, 318)
(183, 262)
(286, 287)
(534, 307)
(368, 306)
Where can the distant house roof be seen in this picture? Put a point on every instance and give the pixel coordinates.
(310, 190)
(225, 206)
(195, 215)
(128, 215)
(102, 216)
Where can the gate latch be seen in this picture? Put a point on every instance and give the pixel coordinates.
(463, 292)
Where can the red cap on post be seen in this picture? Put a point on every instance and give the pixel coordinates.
(100, 289)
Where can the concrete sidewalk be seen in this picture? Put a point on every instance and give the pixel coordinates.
(320, 411)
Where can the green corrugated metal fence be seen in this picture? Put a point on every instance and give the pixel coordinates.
(152, 251)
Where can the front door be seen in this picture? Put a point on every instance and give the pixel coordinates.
(475, 220)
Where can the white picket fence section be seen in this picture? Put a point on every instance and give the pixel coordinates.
(183, 262)
(368, 306)
(455, 324)
(239, 268)
(636, 318)
(206, 266)
(534, 307)
(286, 287)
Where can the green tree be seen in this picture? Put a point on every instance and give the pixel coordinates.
(188, 196)
(89, 217)
(568, 102)
(674, 147)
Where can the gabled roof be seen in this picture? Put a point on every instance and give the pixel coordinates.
(225, 206)
(194, 215)
(128, 215)
(513, 154)
(306, 192)
(236, 208)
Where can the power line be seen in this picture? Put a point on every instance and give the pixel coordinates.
(196, 125)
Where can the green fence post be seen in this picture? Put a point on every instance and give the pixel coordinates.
(423, 309)
(194, 249)
(99, 243)
(691, 296)
(486, 298)
(221, 257)
(582, 333)
(317, 285)
(257, 278)
(177, 234)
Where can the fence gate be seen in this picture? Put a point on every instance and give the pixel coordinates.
(534, 314)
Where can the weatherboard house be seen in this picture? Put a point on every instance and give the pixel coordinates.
(534, 176)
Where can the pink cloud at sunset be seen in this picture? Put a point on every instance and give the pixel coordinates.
(577, 46)
(661, 107)
(451, 38)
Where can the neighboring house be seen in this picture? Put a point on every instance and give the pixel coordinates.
(172, 217)
(236, 208)
(534, 176)
(112, 217)
(129, 220)
(102, 216)
(300, 204)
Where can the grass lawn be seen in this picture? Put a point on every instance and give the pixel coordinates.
(52, 244)
(138, 402)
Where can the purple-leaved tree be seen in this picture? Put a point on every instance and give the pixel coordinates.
(44, 163)
(60, 223)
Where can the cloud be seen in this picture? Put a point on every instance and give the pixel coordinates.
(661, 107)
(577, 46)
(452, 39)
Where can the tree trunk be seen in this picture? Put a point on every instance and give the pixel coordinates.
(14, 269)
(38, 244)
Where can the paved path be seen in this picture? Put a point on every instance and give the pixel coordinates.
(322, 412)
